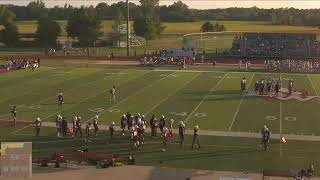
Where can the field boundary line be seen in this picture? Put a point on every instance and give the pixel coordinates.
(231, 72)
(74, 104)
(204, 97)
(239, 105)
(125, 99)
(218, 133)
(313, 86)
(166, 98)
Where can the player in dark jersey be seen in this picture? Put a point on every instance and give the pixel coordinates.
(277, 89)
(195, 136)
(123, 123)
(60, 100)
(14, 114)
(269, 85)
(74, 125)
(181, 133)
(64, 126)
(95, 125)
(78, 126)
(265, 138)
(153, 125)
(88, 134)
(162, 123)
(256, 87)
(111, 131)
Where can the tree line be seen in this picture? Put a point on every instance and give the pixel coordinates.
(83, 24)
(176, 12)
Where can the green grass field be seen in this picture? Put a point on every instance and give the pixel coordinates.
(210, 99)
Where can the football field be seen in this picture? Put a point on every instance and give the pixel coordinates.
(210, 99)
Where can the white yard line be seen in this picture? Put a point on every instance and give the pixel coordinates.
(239, 105)
(280, 125)
(312, 84)
(85, 99)
(25, 92)
(44, 100)
(280, 115)
(212, 89)
(169, 95)
(123, 100)
(18, 130)
(280, 118)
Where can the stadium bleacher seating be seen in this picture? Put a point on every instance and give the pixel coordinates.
(275, 45)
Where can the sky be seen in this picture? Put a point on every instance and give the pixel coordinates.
(195, 4)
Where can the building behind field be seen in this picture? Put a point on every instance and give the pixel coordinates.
(281, 45)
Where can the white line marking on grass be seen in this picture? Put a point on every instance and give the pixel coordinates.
(169, 95)
(239, 105)
(70, 108)
(18, 130)
(71, 89)
(204, 97)
(312, 84)
(280, 116)
(232, 72)
(82, 100)
(123, 100)
(25, 92)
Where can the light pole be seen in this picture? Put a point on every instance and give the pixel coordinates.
(128, 29)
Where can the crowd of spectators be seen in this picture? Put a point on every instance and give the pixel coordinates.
(20, 63)
(275, 45)
(158, 60)
(293, 65)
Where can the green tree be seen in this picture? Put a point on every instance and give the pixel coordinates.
(117, 35)
(85, 25)
(207, 27)
(102, 10)
(6, 16)
(9, 35)
(47, 32)
(36, 9)
(219, 27)
(148, 24)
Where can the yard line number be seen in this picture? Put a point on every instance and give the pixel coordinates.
(287, 118)
(186, 113)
